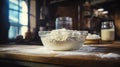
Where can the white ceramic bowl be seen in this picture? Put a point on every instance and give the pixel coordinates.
(70, 43)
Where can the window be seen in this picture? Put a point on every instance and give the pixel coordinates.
(18, 18)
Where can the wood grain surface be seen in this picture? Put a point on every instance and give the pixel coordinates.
(75, 60)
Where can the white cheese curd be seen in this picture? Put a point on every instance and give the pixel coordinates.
(63, 39)
(92, 36)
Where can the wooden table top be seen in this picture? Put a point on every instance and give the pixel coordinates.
(102, 55)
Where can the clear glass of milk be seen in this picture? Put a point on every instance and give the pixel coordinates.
(107, 31)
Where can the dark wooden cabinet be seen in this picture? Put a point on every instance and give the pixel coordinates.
(76, 10)
(57, 8)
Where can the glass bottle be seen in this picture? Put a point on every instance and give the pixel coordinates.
(63, 22)
(107, 30)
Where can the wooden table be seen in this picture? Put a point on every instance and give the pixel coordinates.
(96, 55)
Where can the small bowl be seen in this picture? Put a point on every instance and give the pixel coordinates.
(61, 42)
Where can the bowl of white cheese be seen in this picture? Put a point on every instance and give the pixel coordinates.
(63, 39)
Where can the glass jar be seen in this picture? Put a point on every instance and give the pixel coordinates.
(107, 31)
(63, 22)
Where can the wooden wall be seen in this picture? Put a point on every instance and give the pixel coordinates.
(117, 23)
(74, 10)
(69, 11)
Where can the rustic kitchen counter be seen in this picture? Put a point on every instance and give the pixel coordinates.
(98, 55)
